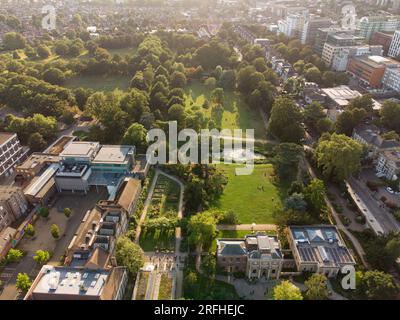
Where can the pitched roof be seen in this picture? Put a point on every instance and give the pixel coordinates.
(232, 248)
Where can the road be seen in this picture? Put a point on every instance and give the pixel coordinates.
(356, 244)
(380, 220)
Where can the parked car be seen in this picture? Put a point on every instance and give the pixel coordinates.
(390, 190)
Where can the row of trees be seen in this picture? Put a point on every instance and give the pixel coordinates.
(372, 284)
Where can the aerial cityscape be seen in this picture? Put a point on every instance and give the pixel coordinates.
(199, 150)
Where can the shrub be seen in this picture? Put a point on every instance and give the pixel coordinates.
(14, 255)
(44, 212)
(67, 212)
(55, 231)
(23, 282)
(30, 230)
(42, 256)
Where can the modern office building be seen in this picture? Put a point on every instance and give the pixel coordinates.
(383, 39)
(319, 249)
(11, 153)
(337, 42)
(394, 49)
(322, 34)
(341, 58)
(13, 205)
(391, 79)
(369, 25)
(256, 255)
(69, 283)
(370, 69)
(311, 26)
(86, 164)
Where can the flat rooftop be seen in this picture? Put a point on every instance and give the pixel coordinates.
(4, 136)
(71, 281)
(6, 191)
(113, 154)
(321, 244)
(80, 149)
(36, 159)
(58, 146)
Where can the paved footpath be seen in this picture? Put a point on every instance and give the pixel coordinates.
(178, 238)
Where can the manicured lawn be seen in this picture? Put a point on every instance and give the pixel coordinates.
(152, 241)
(165, 290)
(253, 197)
(209, 289)
(99, 83)
(236, 115)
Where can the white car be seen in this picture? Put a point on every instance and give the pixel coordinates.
(390, 190)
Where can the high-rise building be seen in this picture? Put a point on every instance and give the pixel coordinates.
(394, 49)
(311, 26)
(383, 39)
(369, 25)
(11, 153)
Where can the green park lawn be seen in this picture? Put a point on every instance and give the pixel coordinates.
(152, 241)
(209, 289)
(236, 115)
(99, 83)
(252, 197)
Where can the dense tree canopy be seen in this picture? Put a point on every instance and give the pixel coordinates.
(285, 121)
(338, 156)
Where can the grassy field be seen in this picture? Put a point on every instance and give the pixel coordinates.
(165, 288)
(98, 83)
(253, 197)
(236, 113)
(152, 241)
(209, 289)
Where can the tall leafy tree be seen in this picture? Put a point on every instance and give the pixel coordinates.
(338, 156)
(285, 121)
(129, 254)
(287, 291)
(317, 287)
